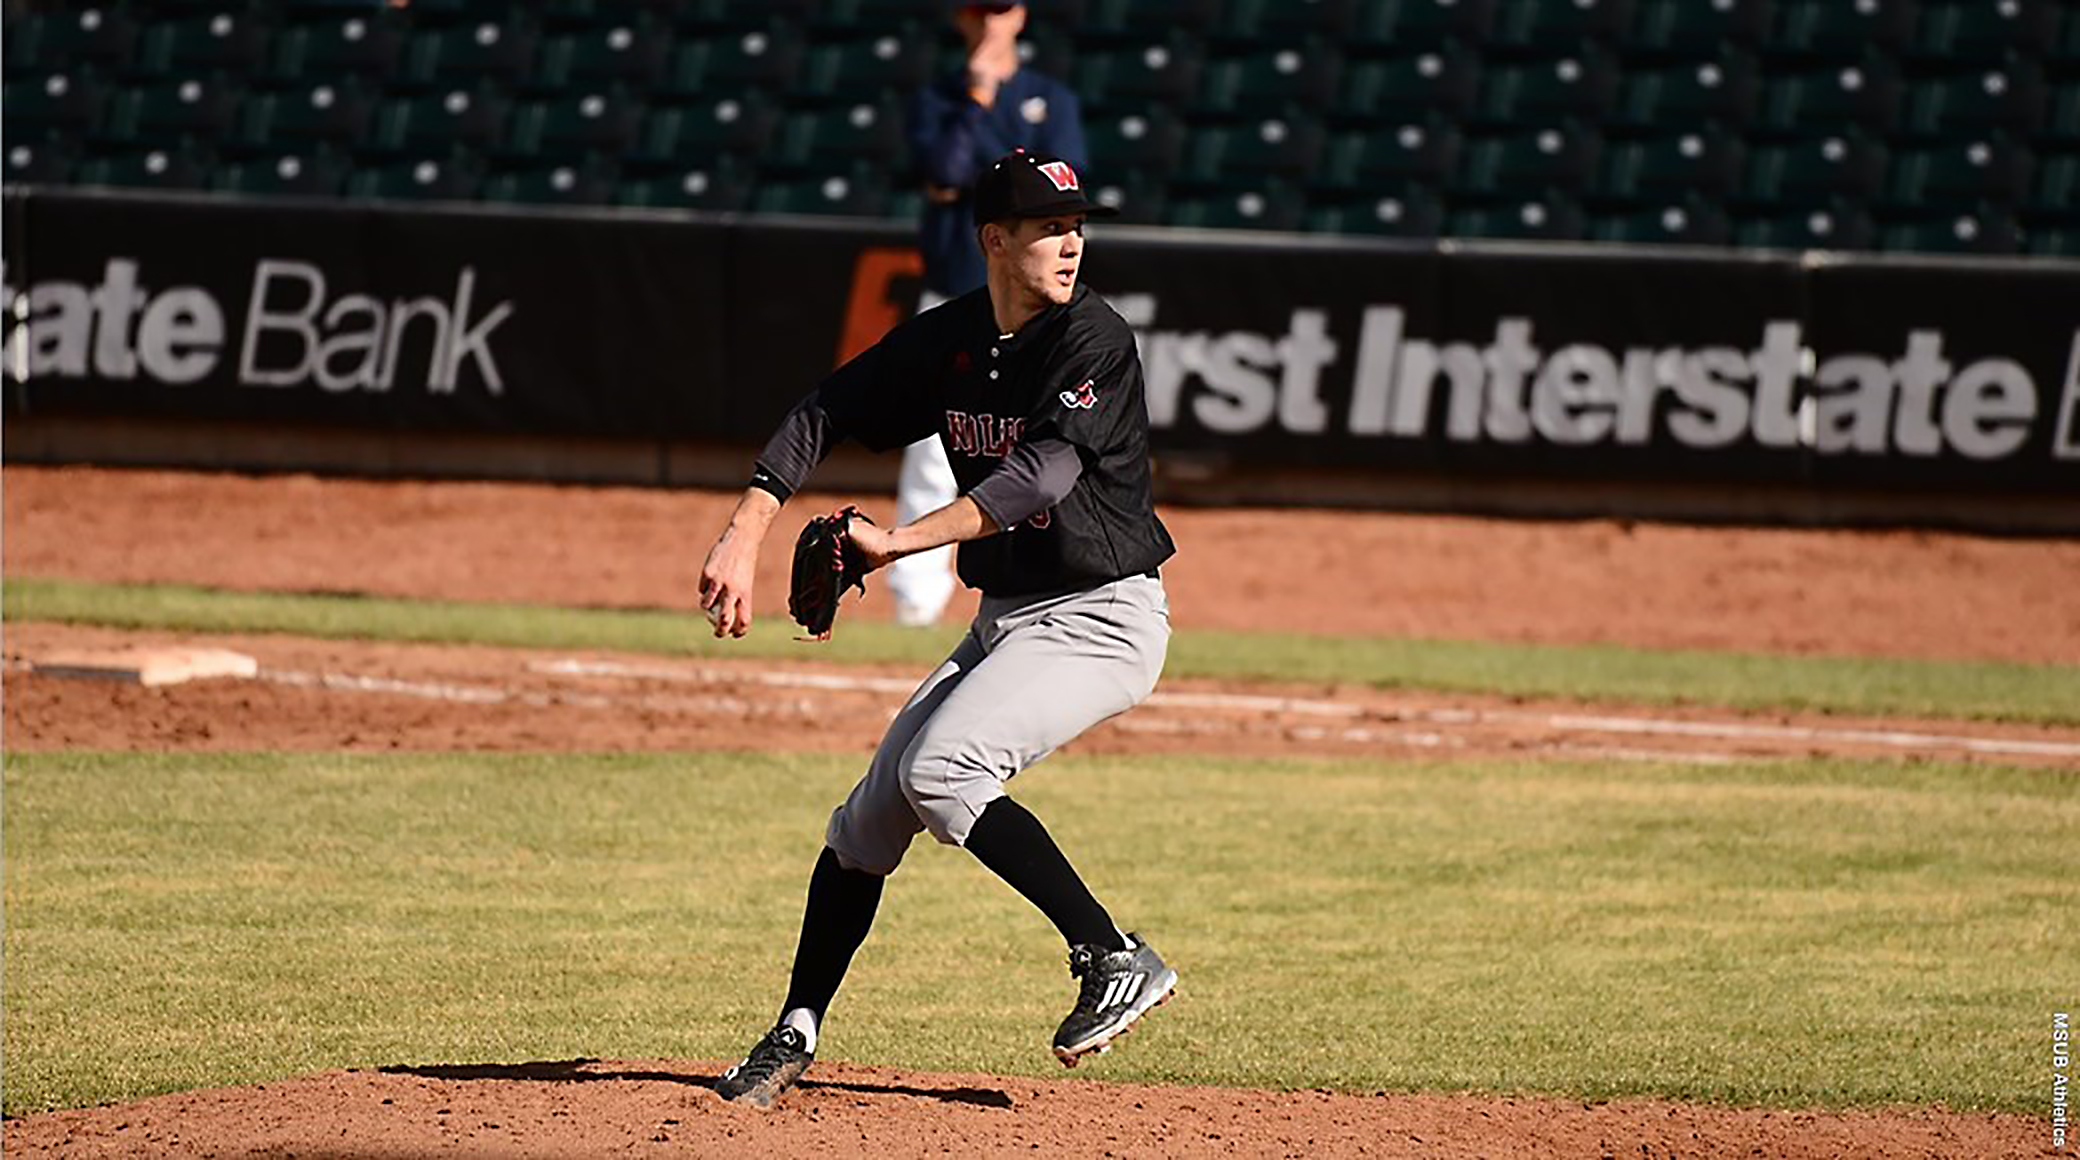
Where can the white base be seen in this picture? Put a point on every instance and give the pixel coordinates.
(144, 665)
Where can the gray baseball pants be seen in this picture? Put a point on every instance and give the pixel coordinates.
(1032, 673)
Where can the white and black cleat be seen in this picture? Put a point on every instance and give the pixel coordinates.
(1119, 987)
(773, 1066)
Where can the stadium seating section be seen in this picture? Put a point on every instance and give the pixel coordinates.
(1922, 125)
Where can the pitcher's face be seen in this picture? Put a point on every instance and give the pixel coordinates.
(1045, 255)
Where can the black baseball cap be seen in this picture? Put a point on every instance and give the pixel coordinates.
(1028, 185)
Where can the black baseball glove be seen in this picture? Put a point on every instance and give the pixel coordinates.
(826, 563)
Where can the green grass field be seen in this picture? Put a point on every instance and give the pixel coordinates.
(2042, 694)
(1782, 934)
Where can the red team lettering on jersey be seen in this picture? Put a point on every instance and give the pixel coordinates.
(992, 436)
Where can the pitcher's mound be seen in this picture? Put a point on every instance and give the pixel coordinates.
(587, 1108)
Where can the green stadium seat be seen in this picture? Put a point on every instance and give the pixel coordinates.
(2061, 50)
(458, 13)
(1266, 206)
(1959, 174)
(153, 168)
(1814, 170)
(363, 45)
(331, 112)
(1259, 21)
(1425, 152)
(1668, 166)
(575, 126)
(172, 111)
(433, 123)
(767, 57)
(1547, 26)
(1525, 162)
(104, 37)
(1687, 30)
(1245, 153)
(314, 174)
(1137, 21)
(568, 17)
(63, 103)
(864, 133)
(1986, 232)
(1691, 222)
(851, 16)
(867, 68)
(1164, 72)
(1808, 228)
(1580, 85)
(468, 55)
(323, 11)
(722, 186)
(1441, 82)
(1140, 200)
(446, 177)
(1151, 142)
(551, 185)
(1838, 31)
(2053, 239)
(41, 163)
(2056, 187)
(2007, 98)
(1982, 32)
(2062, 113)
(230, 42)
(710, 18)
(1272, 81)
(1401, 26)
(1413, 212)
(683, 134)
(1721, 92)
(846, 193)
(1518, 219)
(1866, 94)
(629, 53)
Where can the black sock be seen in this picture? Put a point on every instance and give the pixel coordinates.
(839, 912)
(1009, 840)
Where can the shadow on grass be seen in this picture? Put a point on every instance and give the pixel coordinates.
(581, 1071)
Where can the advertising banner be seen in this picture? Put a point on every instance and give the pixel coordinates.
(365, 316)
(1507, 362)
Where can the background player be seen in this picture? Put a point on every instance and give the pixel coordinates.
(958, 125)
(1034, 386)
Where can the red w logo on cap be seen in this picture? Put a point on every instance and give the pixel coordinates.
(1064, 178)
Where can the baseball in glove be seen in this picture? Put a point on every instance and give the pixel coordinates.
(825, 564)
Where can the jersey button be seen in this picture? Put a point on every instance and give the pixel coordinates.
(993, 374)
(993, 352)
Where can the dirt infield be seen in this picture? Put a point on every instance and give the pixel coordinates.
(1877, 593)
(1867, 593)
(585, 1108)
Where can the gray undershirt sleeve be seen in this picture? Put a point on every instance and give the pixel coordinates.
(1034, 477)
(804, 437)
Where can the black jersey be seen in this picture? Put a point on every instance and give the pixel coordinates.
(1071, 374)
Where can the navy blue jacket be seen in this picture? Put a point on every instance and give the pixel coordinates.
(953, 139)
